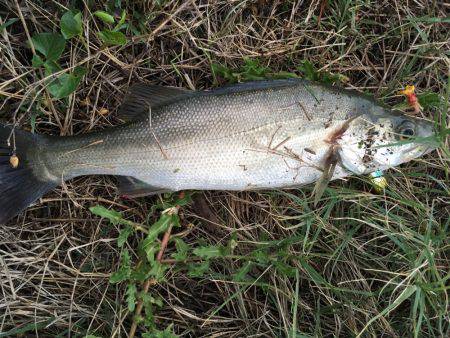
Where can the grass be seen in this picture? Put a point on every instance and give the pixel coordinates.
(235, 264)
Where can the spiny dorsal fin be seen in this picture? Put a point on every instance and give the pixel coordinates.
(142, 96)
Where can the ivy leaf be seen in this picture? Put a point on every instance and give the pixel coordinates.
(131, 296)
(105, 17)
(66, 84)
(51, 45)
(71, 24)
(112, 38)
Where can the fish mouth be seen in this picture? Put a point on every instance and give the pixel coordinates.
(418, 151)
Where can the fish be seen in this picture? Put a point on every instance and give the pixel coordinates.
(270, 134)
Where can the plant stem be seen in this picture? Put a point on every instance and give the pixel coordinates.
(149, 282)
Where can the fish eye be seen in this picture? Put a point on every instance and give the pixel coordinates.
(406, 130)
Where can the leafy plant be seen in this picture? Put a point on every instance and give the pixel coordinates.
(311, 73)
(71, 24)
(112, 36)
(148, 268)
(252, 70)
(50, 47)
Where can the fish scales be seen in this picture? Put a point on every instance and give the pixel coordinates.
(267, 134)
(215, 141)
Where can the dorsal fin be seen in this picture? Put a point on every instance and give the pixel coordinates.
(142, 96)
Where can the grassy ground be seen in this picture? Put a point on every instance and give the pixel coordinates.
(239, 264)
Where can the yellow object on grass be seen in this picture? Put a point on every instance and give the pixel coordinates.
(378, 181)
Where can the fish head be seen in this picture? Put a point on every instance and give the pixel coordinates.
(382, 139)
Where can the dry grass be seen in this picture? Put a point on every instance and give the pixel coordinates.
(354, 259)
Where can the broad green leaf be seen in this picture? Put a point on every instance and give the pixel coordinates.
(284, 75)
(66, 84)
(105, 17)
(158, 271)
(160, 226)
(149, 299)
(37, 61)
(113, 216)
(212, 251)
(167, 333)
(123, 235)
(182, 249)
(8, 23)
(131, 296)
(51, 45)
(140, 273)
(51, 67)
(186, 199)
(112, 38)
(150, 247)
(198, 270)
(124, 270)
(71, 24)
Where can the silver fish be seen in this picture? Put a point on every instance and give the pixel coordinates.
(258, 135)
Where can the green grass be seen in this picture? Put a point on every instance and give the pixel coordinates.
(360, 264)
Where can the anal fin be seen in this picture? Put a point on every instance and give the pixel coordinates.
(133, 187)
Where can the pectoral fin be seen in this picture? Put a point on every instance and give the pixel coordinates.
(331, 159)
(132, 187)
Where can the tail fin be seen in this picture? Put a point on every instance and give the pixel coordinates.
(19, 185)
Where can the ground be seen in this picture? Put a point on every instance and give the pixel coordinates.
(361, 263)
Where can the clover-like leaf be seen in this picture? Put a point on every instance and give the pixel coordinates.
(66, 84)
(50, 45)
(71, 24)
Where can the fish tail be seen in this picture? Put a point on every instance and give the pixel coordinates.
(19, 184)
